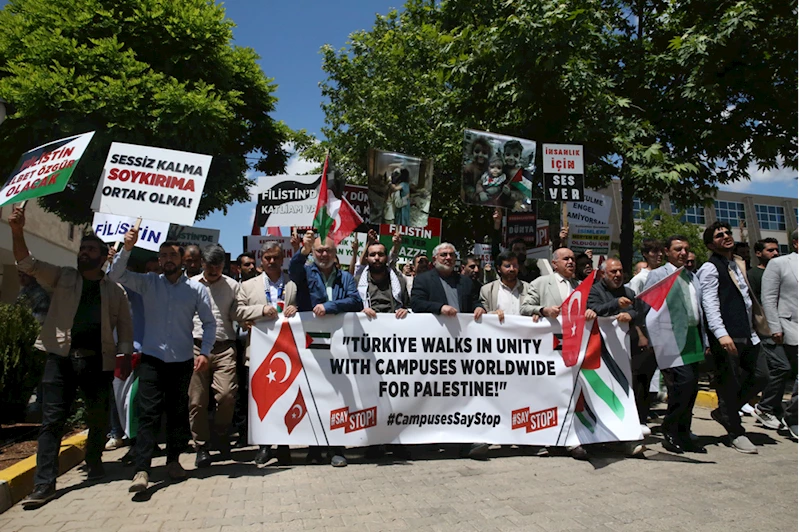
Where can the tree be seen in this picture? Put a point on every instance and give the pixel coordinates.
(670, 97)
(158, 72)
(661, 225)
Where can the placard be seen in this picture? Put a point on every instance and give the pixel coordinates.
(153, 183)
(483, 252)
(563, 172)
(415, 240)
(111, 228)
(197, 236)
(255, 244)
(358, 196)
(400, 188)
(593, 210)
(287, 200)
(44, 170)
(593, 237)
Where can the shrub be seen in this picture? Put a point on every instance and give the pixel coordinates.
(21, 365)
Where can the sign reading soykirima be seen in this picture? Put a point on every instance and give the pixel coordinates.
(153, 183)
(349, 380)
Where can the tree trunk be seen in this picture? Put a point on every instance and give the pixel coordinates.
(627, 222)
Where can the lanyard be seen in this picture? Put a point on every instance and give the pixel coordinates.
(268, 291)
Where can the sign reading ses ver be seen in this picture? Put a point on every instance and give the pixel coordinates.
(563, 172)
(153, 183)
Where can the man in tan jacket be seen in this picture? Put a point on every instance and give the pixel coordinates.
(265, 297)
(78, 337)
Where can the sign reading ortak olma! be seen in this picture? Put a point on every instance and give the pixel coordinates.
(44, 170)
(153, 183)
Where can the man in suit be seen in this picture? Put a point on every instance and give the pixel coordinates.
(778, 293)
(544, 296)
(323, 288)
(734, 318)
(504, 296)
(444, 291)
(264, 297)
(679, 340)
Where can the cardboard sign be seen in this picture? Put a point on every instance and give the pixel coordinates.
(153, 183)
(497, 170)
(112, 228)
(400, 188)
(524, 226)
(198, 236)
(593, 210)
(255, 244)
(563, 172)
(287, 200)
(358, 196)
(415, 240)
(595, 238)
(483, 252)
(44, 170)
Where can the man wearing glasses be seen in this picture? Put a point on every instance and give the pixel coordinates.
(734, 319)
(323, 289)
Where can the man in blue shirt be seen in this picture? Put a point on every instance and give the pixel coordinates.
(170, 302)
(323, 289)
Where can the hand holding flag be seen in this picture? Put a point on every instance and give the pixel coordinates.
(335, 218)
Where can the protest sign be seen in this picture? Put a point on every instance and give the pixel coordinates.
(287, 200)
(44, 170)
(415, 240)
(593, 210)
(563, 172)
(524, 226)
(153, 183)
(111, 228)
(254, 243)
(358, 196)
(497, 170)
(593, 237)
(400, 188)
(197, 236)
(344, 249)
(483, 252)
(348, 380)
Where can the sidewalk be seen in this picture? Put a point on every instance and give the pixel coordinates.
(512, 491)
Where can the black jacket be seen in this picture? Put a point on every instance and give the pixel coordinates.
(428, 295)
(605, 302)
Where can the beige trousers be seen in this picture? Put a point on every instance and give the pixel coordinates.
(221, 378)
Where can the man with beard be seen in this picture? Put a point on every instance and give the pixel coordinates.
(543, 299)
(528, 270)
(221, 377)
(246, 263)
(193, 261)
(264, 297)
(734, 320)
(323, 289)
(504, 296)
(167, 362)
(609, 297)
(78, 337)
(445, 292)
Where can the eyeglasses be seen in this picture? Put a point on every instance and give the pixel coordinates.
(722, 234)
(323, 251)
(446, 254)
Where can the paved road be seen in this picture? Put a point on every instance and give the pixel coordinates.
(722, 490)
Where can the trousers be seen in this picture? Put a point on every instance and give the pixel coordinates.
(739, 378)
(220, 378)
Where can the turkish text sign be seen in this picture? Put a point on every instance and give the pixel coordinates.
(593, 210)
(563, 172)
(415, 240)
(593, 237)
(255, 244)
(287, 200)
(112, 228)
(193, 236)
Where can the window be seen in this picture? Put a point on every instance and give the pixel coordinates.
(730, 212)
(771, 217)
(784, 250)
(71, 232)
(693, 215)
(642, 210)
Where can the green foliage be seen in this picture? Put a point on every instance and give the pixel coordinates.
(671, 97)
(21, 365)
(154, 72)
(661, 225)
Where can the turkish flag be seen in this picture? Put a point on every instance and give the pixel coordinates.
(573, 312)
(277, 372)
(296, 412)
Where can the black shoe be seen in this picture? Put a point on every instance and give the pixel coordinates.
(203, 458)
(690, 445)
(241, 442)
(314, 455)
(283, 455)
(96, 471)
(373, 452)
(263, 455)
(224, 449)
(578, 453)
(41, 494)
(129, 456)
(672, 444)
(475, 451)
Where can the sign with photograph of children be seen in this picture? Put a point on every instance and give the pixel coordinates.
(400, 188)
(498, 170)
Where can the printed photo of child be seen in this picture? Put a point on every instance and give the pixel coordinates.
(400, 188)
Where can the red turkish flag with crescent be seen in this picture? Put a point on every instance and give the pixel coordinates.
(277, 372)
(573, 312)
(296, 412)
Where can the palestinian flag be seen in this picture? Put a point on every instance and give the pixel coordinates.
(674, 328)
(126, 384)
(335, 218)
(521, 183)
(317, 340)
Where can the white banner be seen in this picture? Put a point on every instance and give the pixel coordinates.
(347, 380)
(152, 183)
(201, 237)
(593, 210)
(111, 228)
(287, 200)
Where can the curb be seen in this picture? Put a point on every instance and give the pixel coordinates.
(16, 481)
(705, 399)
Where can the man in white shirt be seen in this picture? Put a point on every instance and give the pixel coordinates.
(504, 296)
(652, 251)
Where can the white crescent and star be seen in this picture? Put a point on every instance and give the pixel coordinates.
(286, 362)
(296, 412)
(578, 297)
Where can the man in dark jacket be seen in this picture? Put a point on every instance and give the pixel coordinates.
(609, 297)
(323, 289)
(444, 291)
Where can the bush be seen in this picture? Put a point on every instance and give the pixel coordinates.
(21, 365)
